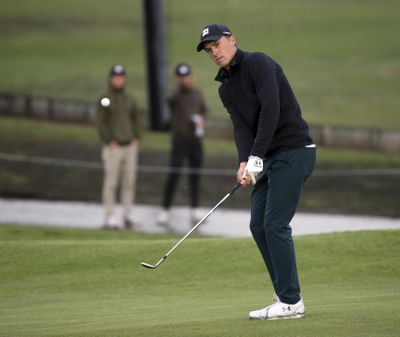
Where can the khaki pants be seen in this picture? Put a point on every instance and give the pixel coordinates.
(120, 164)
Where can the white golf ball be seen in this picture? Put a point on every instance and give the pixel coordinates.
(105, 102)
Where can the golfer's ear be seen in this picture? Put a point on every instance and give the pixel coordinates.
(233, 40)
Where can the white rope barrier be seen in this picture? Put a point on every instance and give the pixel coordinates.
(203, 171)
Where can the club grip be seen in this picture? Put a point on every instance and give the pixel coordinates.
(235, 188)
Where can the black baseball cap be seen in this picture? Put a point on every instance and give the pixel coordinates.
(182, 69)
(213, 32)
(117, 69)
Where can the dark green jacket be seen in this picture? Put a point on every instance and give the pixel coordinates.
(117, 117)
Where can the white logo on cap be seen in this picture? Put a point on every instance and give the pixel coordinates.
(205, 31)
(119, 68)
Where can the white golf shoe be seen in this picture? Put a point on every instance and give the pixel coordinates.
(279, 310)
(111, 223)
(195, 216)
(163, 217)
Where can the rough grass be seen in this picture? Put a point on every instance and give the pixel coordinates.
(342, 57)
(19, 131)
(79, 145)
(90, 283)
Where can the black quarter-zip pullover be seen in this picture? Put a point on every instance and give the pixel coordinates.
(264, 111)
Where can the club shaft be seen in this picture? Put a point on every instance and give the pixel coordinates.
(193, 229)
(202, 220)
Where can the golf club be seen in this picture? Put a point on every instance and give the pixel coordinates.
(150, 266)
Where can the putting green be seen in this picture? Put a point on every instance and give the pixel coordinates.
(57, 282)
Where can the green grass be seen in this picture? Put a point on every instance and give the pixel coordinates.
(372, 195)
(342, 57)
(58, 282)
(13, 129)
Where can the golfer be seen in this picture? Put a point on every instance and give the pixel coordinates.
(276, 155)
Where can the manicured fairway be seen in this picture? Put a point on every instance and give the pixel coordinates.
(57, 282)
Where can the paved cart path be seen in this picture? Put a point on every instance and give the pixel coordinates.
(223, 222)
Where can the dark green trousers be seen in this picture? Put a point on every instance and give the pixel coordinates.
(273, 203)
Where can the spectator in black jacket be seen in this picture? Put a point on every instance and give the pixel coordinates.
(276, 154)
(188, 110)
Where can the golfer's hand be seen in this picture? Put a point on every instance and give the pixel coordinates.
(112, 144)
(241, 179)
(253, 168)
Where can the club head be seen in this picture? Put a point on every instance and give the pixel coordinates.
(147, 265)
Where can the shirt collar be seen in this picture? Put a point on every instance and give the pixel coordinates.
(223, 72)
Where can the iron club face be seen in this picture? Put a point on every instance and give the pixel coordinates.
(147, 265)
(150, 266)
